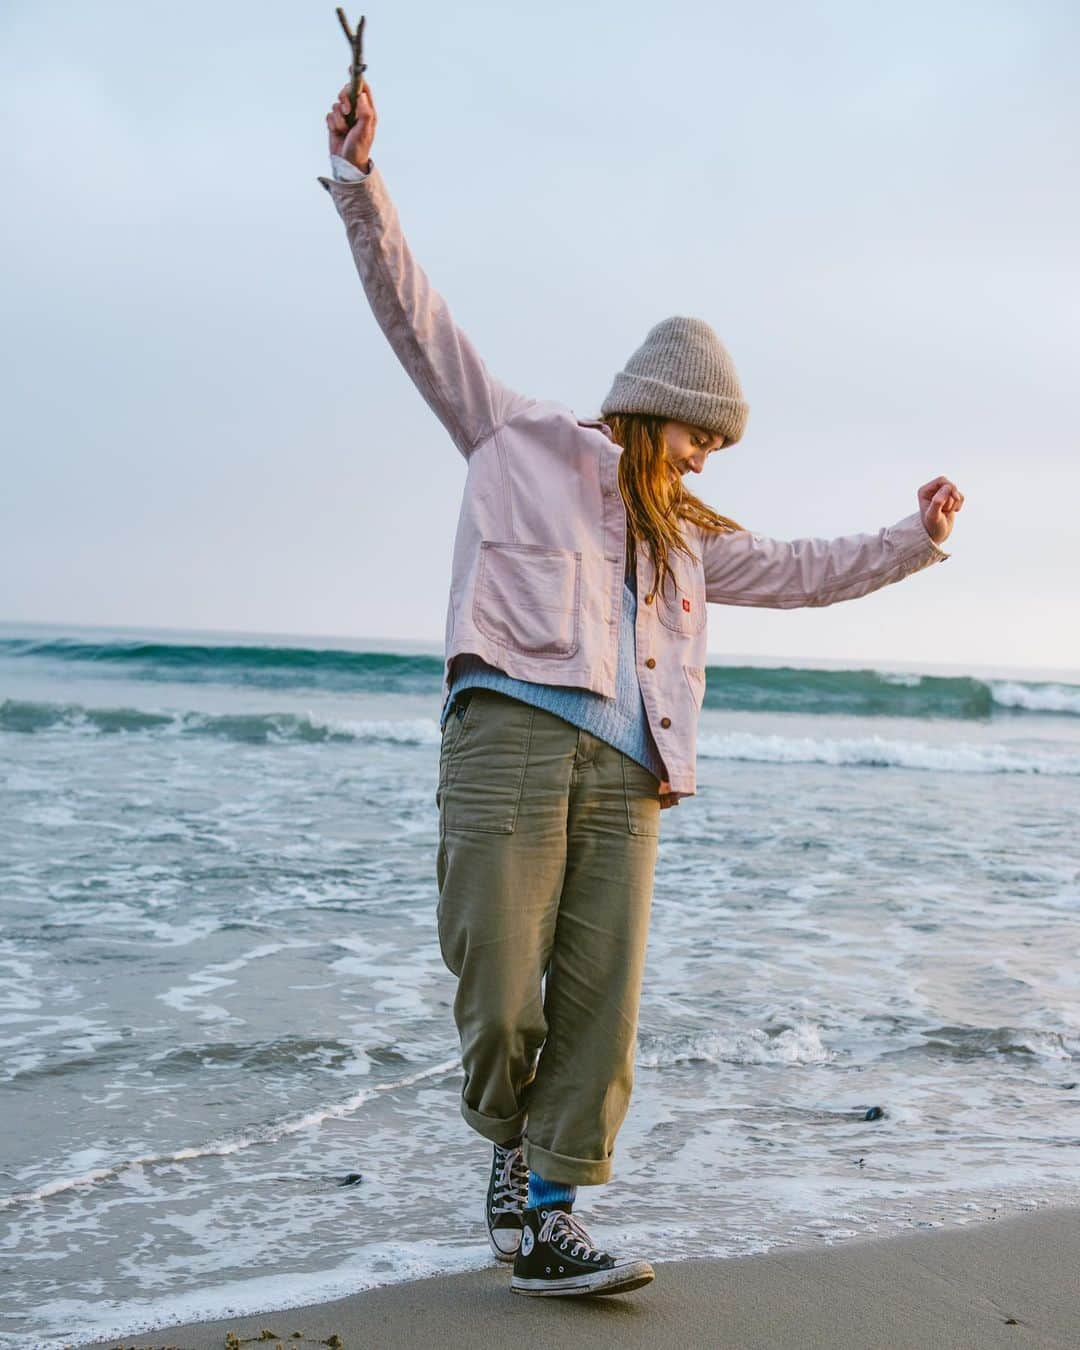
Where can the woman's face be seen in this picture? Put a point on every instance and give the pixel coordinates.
(689, 447)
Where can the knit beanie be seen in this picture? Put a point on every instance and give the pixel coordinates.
(682, 372)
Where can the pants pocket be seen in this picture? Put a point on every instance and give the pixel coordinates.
(481, 789)
(451, 732)
(642, 790)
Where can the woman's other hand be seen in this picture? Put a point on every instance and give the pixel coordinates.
(355, 144)
(939, 501)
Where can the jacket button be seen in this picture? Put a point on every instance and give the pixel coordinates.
(650, 663)
(665, 721)
(648, 599)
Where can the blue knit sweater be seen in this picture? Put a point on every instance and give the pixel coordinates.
(620, 721)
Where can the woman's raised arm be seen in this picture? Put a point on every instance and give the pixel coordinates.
(438, 357)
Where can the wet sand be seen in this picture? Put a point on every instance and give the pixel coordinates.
(1010, 1282)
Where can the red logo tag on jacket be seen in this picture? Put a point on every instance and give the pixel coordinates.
(686, 605)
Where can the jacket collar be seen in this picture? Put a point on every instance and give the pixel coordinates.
(595, 423)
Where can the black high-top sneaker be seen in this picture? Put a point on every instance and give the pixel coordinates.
(557, 1256)
(507, 1196)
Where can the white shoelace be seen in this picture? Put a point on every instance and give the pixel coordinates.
(569, 1232)
(511, 1181)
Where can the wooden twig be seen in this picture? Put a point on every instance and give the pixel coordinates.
(356, 65)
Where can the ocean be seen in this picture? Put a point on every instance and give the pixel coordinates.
(230, 1078)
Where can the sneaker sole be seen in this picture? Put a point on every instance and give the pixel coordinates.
(618, 1281)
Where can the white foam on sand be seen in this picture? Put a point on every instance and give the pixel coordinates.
(70, 1320)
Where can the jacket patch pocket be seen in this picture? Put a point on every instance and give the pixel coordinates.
(528, 597)
(681, 604)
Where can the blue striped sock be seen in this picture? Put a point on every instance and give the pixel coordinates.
(543, 1192)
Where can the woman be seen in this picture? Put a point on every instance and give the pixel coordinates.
(573, 679)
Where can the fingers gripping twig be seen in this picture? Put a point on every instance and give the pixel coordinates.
(356, 65)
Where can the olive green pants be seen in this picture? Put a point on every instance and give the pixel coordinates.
(547, 849)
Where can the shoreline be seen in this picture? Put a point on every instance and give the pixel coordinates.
(999, 1282)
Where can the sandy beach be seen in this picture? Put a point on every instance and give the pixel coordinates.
(994, 1283)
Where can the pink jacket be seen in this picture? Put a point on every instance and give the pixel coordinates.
(537, 571)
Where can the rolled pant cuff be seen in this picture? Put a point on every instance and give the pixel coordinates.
(495, 1128)
(562, 1167)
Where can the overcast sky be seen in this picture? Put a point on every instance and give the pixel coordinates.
(875, 206)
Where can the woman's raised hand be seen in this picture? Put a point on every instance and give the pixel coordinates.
(939, 501)
(355, 144)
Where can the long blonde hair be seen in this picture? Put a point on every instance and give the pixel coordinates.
(654, 510)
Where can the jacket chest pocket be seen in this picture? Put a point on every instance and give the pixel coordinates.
(681, 605)
(528, 597)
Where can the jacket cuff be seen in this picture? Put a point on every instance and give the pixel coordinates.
(347, 172)
(357, 195)
(911, 539)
